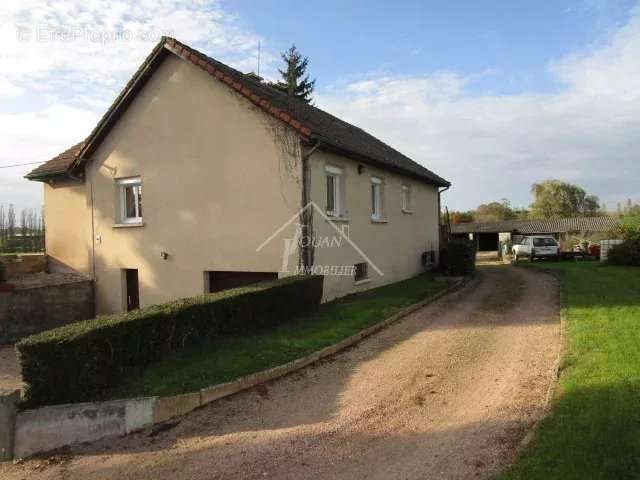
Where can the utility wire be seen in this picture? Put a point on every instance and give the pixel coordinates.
(19, 164)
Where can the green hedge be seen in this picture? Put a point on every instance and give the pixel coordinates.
(460, 257)
(84, 360)
(626, 253)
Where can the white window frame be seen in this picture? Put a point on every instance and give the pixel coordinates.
(123, 183)
(335, 174)
(407, 198)
(376, 198)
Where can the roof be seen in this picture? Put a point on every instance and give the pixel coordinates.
(528, 227)
(59, 164)
(310, 122)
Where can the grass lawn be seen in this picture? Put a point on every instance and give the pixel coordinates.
(594, 429)
(228, 359)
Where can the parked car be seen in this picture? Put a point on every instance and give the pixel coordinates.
(537, 246)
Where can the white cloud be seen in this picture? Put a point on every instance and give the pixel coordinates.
(32, 136)
(495, 146)
(8, 89)
(62, 64)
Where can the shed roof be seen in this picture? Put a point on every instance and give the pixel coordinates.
(528, 227)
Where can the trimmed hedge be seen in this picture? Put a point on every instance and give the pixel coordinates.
(626, 253)
(82, 361)
(460, 257)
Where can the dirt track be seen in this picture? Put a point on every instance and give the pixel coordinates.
(447, 392)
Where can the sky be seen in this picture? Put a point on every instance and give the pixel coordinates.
(491, 95)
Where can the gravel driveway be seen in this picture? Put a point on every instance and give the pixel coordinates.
(447, 392)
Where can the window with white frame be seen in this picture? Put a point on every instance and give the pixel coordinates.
(334, 191)
(130, 197)
(376, 198)
(407, 200)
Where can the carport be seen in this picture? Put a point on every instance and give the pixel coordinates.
(490, 235)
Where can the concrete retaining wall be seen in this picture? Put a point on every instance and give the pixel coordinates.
(25, 311)
(48, 428)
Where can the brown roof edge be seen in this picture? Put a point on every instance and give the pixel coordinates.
(202, 61)
(58, 165)
(293, 115)
(122, 101)
(328, 146)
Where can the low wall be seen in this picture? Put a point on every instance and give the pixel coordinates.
(24, 264)
(29, 310)
(47, 428)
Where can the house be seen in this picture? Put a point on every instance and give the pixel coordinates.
(200, 178)
(568, 231)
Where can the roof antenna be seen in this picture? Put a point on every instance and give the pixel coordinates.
(259, 57)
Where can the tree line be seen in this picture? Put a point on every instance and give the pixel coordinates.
(551, 199)
(23, 232)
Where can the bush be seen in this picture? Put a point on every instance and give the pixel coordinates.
(630, 227)
(459, 257)
(82, 361)
(626, 253)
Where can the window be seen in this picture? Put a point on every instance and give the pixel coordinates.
(360, 272)
(334, 191)
(407, 201)
(376, 198)
(130, 193)
(544, 242)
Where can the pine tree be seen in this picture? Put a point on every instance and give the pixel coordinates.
(295, 81)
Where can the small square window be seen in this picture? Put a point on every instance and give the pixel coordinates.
(130, 197)
(360, 272)
(407, 200)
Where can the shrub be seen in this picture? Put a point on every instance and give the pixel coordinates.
(459, 258)
(82, 361)
(626, 253)
(630, 227)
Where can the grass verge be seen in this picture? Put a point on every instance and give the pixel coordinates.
(231, 358)
(593, 431)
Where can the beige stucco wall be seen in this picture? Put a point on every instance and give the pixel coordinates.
(216, 184)
(68, 226)
(395, 246)
(219, 177)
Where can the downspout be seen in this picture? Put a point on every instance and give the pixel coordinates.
(306, 212)
(93, 229)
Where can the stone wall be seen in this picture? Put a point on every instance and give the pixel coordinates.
(35, 308)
